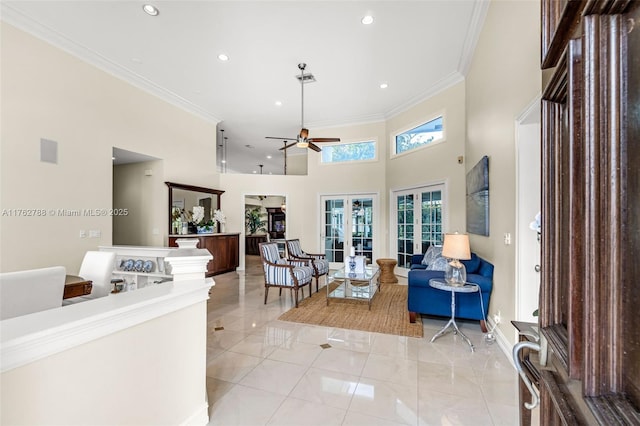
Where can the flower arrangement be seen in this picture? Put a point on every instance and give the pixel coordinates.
(198, 214)
(219, 216)
(536, 225)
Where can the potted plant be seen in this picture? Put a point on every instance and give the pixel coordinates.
(255, 220)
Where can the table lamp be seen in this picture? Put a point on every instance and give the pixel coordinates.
(456, 248)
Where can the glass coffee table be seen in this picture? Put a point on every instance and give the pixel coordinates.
(355, 286)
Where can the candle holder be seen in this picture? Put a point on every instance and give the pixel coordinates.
(352, 266)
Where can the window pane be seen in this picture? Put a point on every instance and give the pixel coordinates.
(348, 152)
(419, 136)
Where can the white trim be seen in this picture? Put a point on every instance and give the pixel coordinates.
(23, 22)
(480, 9)
(530, 112)
(32, 337)
(505, 346)
(199, 417)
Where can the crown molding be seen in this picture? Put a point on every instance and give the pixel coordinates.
(19, 20)
(480, 9)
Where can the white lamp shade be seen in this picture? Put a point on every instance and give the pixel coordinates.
(456, 246)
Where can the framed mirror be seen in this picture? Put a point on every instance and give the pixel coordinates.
(182, 199)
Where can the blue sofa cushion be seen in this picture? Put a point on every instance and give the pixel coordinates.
(472, 265)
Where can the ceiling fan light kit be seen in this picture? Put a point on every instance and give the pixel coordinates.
(303, 140)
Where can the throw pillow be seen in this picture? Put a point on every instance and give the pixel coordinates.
(438, 264)
(432, 253)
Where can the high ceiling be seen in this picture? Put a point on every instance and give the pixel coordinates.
(416, 47)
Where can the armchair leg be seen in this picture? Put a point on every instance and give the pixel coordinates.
(266, 292)
(412, 317)
(280, 294)
(296, 292)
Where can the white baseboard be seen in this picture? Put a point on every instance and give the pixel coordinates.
(199, 418)
(502, 341)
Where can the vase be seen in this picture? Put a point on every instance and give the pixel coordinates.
(222, 227)
(204, 230)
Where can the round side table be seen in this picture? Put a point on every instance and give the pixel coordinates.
(386, 271)
(467, 288)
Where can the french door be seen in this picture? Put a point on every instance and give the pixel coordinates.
(348, 221)
(419, 215)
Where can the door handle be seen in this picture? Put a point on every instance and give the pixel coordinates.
(537, 268)
(516, 360)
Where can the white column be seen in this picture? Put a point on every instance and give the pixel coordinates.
(188, 264)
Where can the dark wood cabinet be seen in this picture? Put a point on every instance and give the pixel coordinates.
(589, 294)
(276, 223)
(252, 244)
(224, 248)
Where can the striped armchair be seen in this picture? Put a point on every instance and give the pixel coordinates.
(318, 261)
(283, 273)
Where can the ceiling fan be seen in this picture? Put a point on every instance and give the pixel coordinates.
(302, 140)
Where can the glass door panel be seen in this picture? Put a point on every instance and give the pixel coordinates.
(362, 227)
(419, 222)
(348, 221)
(405, 209)
(333, 225)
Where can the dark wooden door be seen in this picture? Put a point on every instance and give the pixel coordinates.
(591, 212)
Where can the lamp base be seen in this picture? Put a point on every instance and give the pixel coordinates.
(455, 274)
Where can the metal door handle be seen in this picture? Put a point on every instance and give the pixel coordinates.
(537, 268)
(516, 360)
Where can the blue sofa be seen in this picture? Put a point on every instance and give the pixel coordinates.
(427, 300)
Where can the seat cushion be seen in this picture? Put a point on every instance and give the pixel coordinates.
(322, 266)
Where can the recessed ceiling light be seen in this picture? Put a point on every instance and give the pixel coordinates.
(224, 161)
(255, 171)
(367, 20)
(223, 57)
(384, 85)
(278, 103)
(151, 10)
(269, 157)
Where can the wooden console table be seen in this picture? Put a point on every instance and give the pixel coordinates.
(224, 247)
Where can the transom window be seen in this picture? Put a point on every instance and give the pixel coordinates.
(354, 151)
(425, 134)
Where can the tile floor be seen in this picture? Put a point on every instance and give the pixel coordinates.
(261, 371)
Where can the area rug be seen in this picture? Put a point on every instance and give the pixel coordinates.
(388, 312)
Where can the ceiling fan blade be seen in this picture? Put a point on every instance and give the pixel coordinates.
(282, 139)
(316, 140)
(287, 146)
(313, 146)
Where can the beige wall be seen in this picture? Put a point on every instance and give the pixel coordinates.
(135, 190)
(437, 163)
(47, 93)
(303, 192)
(503, 80)
(126, 378)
